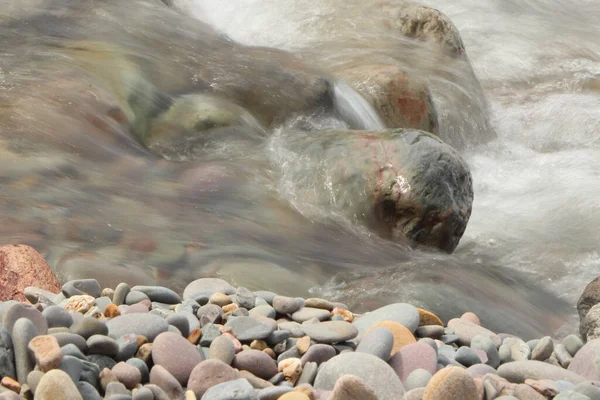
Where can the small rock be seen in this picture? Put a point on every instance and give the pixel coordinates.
(87, 391)
(144, 352)
(103, 345)
(451, 383)
(480, 370)
(127, 346)
(223, 349)
(303, 344)
(430, 331)
(543, 350)
(7, 355)
(250, 328)
(264, 310)
(417, 378)
(57, 316)
(518, 371)
(72, 366)
(514, 349)
(319, 303)
(237, 389)
(486, 344)
(210, 332)
(19, 310)
(148, 325)
(318, 353)
(79, 303)
(158, 293)
(135, 297)
(256, 362)
(309, 373)
(466, 331)
(79, 287)
(121, 292)
(176, 355)
(287, 305)
(46, 351)
(245, 298)
(428, 318)
(209, 314)
(127, 374)
(562, 355)
(412, 357)
(585, 363)
(142, 367)
(220, 299)
(111, 311)
(330, 331)
(295, 395)
(402, 335)
(11, 384)
(573, 344)
(160, 377)
(306, 313)
(466, 356)
(274, 392)
(471, 317)
(88, 327)
(207, 285)
(56, 384)
(210, 373)
(291, 368)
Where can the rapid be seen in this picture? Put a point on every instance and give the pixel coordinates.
(524, 112)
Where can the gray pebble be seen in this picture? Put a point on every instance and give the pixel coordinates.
(71, 350)
(141, 366)
(7, 355)
(100, 344)
(245, 298)
(206, 286)
(23, 331)
(294, 328)
(88, 327)
(266, 295)
(158, 293)
(87, 391)
(532, 343)
(573, 343)
(449, 339)
(431, 343)
(19, 310)
(514, 349)
(466, 356)
(209, 314)
(148, 325)
(135, 297)
(571, 395)
(209, 333)
(222, 348)
(287, 305)
(79, 287)
(309, 373)
(289, 353)
(72, 366)
(102, 361)
(249, 328)
(102, 303)
(277, 378)
(115, 388)
(430, 331)
(127, 346)
(238, 389)
(307, 313)
(331, 331)
(273, 393)
(57, 317)
(318, 353)
(486, 344)
(64, 338)
(562, 355)
(33, 379)
(90, 373)
(278, 337)
(263, 310)
(38, 295)
(417, 379)
(158, 393)
(121, 292)
(378, 342)
(181, 322)
(143, 394)
(174, 329)
(543, 350)
(260, 302)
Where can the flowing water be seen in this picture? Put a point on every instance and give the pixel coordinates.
(524, 110)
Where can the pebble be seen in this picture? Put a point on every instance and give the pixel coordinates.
(88, 327)
(115, 388)
(295, 395)
(466, 331)
(255, 362)
(33, 379)
(104, 345)
(307, 313)
(239, 389)
(466, 356)
(416, 379)
(223, 349)
(402, 313)
(79, 303)
(480, 370)
(127, 346)
(7, 355)
(209, 314)
(585, 363)
(39, 295)
(102, 361)
(430, 331)
(375, 373)
(247, 329)
(209, 333)
(111, 311)
(57, 316)
(318, 353)
(47, 352)
(23, 331)
(378, 342)
(428, 318)
(72, 366)
(143, 393)
(562, 355)
(518, 371)
(329, 332)
(514, 349)
(543, 350)
(220, 299)
(160, 377)
(121, 292)
(412, 357)
(148, 325)
(571, 395)
(134, 297)
(56, 384)
(274, 392)
(263, 310)
(210, 373)
(256, 382)
(179, 321)
(486, 344)
(573, 344)
(319, 303)
(158, 293)
(309, 373)
(207, 285)
(451, 383)
(18, 310)
(176, 354)
(127, 374)
(402, 335)
(79, 287)
(287, 305)
(294, 328)
(141, 366)
(87, 391)
(278, 337)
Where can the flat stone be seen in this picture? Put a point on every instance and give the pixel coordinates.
(412, 357)
(127, 374)
(158, 293)
(47, 352)
(573, 344)
(318, 353)
(23, 332)
(585, 361)
(273, 392)
(73, 351)
(451, 383)
(466, 331)
(160, 377)
(121, 292)
(466, 356)
(90, 373)
(245, 298)
(209, 314)
(7, 355)
(401, 313)
(486, 344)
(102, 361)
(329, 332)
(181, 322)
(480, 370)
(87, 391)
(80, 287)
(543, 350)
(287, 305)
(417, 379)
(373, 371)
(306, 313)
(295, 329)
(430, 331)
(222, 349)
(73, 366)
(239, 389)
(88, 327)
(104, 345)
(264, 310)
(19, 310)
(176, 354)
(315, 302)
(148, 325)
(428, 318)
(57, 316)
(256, 362)
(207, 285)
(309, 373)
(36, 295)
(56, 384)
(250, 328)
(143, 393)
(134, 297)
(65, 338)
(210, 373)
(569, 395)
(518, 371)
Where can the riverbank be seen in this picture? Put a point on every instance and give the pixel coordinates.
(217, 341)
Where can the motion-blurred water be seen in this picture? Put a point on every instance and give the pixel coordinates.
(102, 207)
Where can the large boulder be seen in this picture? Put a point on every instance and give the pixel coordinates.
(589, 326)
(401, 183)
(22, 266)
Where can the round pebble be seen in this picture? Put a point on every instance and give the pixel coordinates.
(223, 349)
(103, 345)
(127, 374)
(79, 287)
(287, 305)
(451, 383)
(237, 389)
(255, 362)
(318, 353)
(56, 384)
(207, 285)
(250, 328)
(176, 354)
(209, 314)
(160, 377)
(402, 335)
(329, 332)
(417, 379)
(402, 313)
(57, 316)
(306, 313)
(88, 327)
(412, 357)
(210, 373)
(148, 325)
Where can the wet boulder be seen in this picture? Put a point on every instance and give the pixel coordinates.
(404, 184)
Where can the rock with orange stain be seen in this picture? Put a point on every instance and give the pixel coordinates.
(402, 336)
(22, 266)
(428, 318)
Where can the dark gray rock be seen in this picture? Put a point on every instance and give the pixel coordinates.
(292, 352)
(240, 389)
(57, 316)
(158, 293)
(181, 322)
(64, 338)
(101, 344)
(209, 333)
(430, 331)
(148, 325)
(466, 356)
(71, 350)
(88, 327)
(82, 286)
(278, 337)
(378, 342)
(73, 366)
(318, 353)
(309, 373)
(487, 345)
(102, 361)
(250, 328)
(7, 355)
(87, 391)
(90, 374)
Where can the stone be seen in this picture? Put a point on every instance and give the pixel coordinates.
(518, 371)
(412, 357)
(294, 396)
(46, 351)
(88, 327)
(428, 318)
(36, 295)
(209, 314)
(378, 342)
(158, 393)
(90, 373)
(466, 331)
(451, 383)
(7, 354)
(588, 389)
(571, 395)
(471, 317)
(127, 345)
(176, 355)
(306, 313)
(430, 331)
(158, 293)
(373, 371)
(121, 292)
(291, 368)
(135, 297)
(111, 311)
(160, 377)
(144, 393)
(23, 331)
(79, 287)
(103, 345)
(250, 328)
(11, 384)
(57, 316)
(295, 329)
(589, 298)
(256, 382)
(73, 366)
(87, 391)
(480, 370)
(318, 353)
(514, 349)
(263, 310)
(273, 392)
(116, 390)
(219, 299)
(402, 335)
(79, 303)
(329, 332)
(309, 373)
(589, 326)
(223, 349)
(245, 298)
(255, 362)
(586, 362)
(288, 305)
(416, 379)
(22, 266)
(303, 344)
(209, 333)
(56, 384)
(179, 321)
(573, 344)
(466, 356)
(127, 374)
(232, 390)
(210, 373)
(33, 379)
(278, 337)
(289, 353)
(479, 342)
(141, 366)
(65, 338)
(402, 313)
(543, 350)
(148, 325)
(20, 310)
(207, 285)
(102, 361)
(562, 355)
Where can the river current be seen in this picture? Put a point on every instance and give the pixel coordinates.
(526, 118)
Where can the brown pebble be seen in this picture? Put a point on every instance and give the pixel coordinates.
(258, 345)
(307, 391)
(194, 336)
(291, 368)
(303, 344)
(108, 292)
(269, 351)
(220, 299)
(46, 351)
(347, 315)
(111, 311)
(245, 347)
(144, 353)
(428, 318)
(141, 340)
(230, 308)
(11, 384)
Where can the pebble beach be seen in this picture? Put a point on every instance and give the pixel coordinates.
(215, 341)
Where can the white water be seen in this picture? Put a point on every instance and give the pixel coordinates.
(537, 186)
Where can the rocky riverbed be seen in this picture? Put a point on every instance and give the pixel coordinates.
(215, 341)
